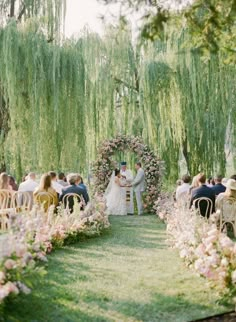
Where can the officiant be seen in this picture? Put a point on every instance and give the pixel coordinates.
(127, 176)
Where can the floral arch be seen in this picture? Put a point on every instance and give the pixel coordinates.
(151, 164)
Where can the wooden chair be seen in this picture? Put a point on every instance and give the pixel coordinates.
(209, 206)
(44, 198)
(66, 199)
(5, 207)
(22, 201)
(227, 213)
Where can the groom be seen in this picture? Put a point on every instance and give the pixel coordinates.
(139, 186)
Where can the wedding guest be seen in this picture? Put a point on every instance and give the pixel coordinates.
(194, 184)
(218, 187)
(46, 186)
(12, 183)
(56, 186)
(74, 181)
(82, 185)
(62, 179)
(4, 181)
(178, 184)
(203, 191)
(30, 184)
(184, 188)
(224, 181)
(229, 194)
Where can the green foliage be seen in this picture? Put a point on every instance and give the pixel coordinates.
(211, 23)
(63, 100)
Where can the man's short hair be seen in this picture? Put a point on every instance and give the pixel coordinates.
(139, 164)
(61, 176)
(72, 178)
(233, 177)
(31, 175)
(218, 177)
(52, 174)
(186, 178)
(202, 178)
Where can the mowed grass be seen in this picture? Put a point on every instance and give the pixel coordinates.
(128, 274)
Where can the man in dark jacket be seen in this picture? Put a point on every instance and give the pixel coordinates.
(203, 191)
(74, 179)
(218, 187)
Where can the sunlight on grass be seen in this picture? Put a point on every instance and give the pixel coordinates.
(128, 274)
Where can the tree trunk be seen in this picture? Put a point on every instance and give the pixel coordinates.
(12, 8)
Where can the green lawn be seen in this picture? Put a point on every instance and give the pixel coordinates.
(128, 274)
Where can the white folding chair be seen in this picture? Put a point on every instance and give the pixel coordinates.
(66, 199)
(227, 212)
(5, 207)
(209, 206)
(22, 201)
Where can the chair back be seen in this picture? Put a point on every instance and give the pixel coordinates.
(5, 199)
(44, 198)
(69, 199)
(22, 201)
(204, 201)
(228, 213)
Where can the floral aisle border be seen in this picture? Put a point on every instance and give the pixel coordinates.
(202, 246)
(152, 165)
(32, 235)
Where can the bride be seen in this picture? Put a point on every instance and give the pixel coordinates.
(115, 197)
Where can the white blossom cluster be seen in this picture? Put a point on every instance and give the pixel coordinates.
(174, 5)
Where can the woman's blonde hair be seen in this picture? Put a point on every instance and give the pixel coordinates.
(4, 181)
(45, 182)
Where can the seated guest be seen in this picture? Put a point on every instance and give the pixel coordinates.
(82, 185)
(12, 183)
(178, 183)
(74, 180)
(218, 187)
(62, 179)
(203, 191)
(184, 188)
(56, 186)
(29, 185)
(46, 186)
(229, 194)
(5, 182)
(194, 184)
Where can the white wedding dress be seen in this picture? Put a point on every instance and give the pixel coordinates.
(115, 198)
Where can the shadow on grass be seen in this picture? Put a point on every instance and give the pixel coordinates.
(95, 307)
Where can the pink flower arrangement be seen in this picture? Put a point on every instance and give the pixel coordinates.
(34, 234)
(202, 246)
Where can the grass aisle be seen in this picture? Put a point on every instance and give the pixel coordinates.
(128, 274)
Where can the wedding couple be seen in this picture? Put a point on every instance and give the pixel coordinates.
(119, 193)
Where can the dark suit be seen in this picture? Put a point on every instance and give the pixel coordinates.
(74, 189)
(218, 188)
(200, 192)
